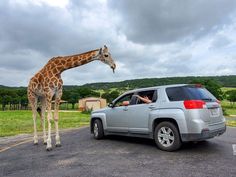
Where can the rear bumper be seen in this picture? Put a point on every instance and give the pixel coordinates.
(205, 134)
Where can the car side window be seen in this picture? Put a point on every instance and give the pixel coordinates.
(126, 98)
(149, 96)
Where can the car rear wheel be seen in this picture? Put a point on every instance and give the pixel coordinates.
(98, 129)
(167, 136)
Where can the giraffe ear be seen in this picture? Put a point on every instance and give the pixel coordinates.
(105, 48)
(100, 51)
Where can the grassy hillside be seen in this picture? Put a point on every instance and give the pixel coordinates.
(224, 81)
(225, 89)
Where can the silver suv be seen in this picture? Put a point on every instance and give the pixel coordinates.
(174, 114)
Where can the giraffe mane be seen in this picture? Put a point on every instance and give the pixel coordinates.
(82, 53)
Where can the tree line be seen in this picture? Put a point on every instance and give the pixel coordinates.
(16, 98)
(225, 81)
(13, 98)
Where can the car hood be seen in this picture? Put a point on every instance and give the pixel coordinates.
(99, 110)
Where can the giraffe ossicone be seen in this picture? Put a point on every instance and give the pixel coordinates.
(47, 83)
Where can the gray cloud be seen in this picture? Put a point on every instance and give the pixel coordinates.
(46, 29)
(167, 21)
(31, 34)
(220, 41)
(146, 39)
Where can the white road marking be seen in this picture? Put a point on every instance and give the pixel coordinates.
(26, 140)
(234, 149)
(16, 144)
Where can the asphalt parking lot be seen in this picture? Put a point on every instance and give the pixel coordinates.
(81, 155)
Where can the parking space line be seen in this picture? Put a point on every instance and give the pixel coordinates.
(234, 148)
(16, 144)
(26, 140)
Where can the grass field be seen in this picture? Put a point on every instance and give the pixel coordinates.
(231, 123)
(230, 111)
(19, 122)
(224, 89)
(228, 107)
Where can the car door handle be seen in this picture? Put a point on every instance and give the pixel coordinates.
(125, 108)
(152, 107)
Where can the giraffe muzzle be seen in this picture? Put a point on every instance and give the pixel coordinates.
(113, 68)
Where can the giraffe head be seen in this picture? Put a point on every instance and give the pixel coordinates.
(105, 56)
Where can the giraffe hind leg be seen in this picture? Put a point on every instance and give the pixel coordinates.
(41, 112)
(33, 102)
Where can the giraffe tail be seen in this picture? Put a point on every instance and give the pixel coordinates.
(39, 110)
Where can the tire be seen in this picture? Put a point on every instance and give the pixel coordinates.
(167, 136)
(98, 129)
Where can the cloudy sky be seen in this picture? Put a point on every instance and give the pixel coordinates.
(146, 38)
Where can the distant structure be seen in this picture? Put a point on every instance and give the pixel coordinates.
(92, 103)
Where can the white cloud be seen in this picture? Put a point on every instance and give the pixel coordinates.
(189, 42)
(53, 3)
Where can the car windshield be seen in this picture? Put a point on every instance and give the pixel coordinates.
(189, 93)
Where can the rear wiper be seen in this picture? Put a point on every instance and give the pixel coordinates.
(207, 99)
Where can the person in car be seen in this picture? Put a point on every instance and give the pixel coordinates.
(145, 99)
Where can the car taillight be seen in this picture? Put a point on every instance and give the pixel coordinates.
(194, 104)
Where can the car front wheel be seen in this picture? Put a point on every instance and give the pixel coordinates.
(167, 136)
(98, 129)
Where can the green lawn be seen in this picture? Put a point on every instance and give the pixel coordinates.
(224, 89)
(229, 108)
(18, 122)
(231, 123)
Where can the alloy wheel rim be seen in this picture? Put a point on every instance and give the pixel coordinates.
(165, 136)
(95, 130)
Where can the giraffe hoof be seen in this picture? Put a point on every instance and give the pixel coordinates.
(49, 149)
(45, 143)
(58, 145)
(36, 143)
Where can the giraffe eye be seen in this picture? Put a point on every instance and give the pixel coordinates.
(106, 55)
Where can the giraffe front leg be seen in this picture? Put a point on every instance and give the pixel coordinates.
(56, 118)
(58, 141)
(44, 133)
(35, 128)
(49, 118)
(44, 129)
(43, 120)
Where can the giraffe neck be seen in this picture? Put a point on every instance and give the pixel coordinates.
(60, 64)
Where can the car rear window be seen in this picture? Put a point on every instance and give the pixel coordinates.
(189, 93)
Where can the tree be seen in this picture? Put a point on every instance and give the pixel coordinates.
(211, 85)
(109, 96)
(73, 95)
(231, 96)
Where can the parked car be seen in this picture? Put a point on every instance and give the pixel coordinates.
(175, 114)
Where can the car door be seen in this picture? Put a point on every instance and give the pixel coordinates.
(117, 116)
(139, 113)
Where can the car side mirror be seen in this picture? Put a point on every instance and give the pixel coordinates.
(111, 105)
(125, 103)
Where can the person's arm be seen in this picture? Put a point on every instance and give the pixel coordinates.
(145, 99)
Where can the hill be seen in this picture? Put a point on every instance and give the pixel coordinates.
(224, 81)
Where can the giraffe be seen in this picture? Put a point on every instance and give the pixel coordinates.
(47, 84)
